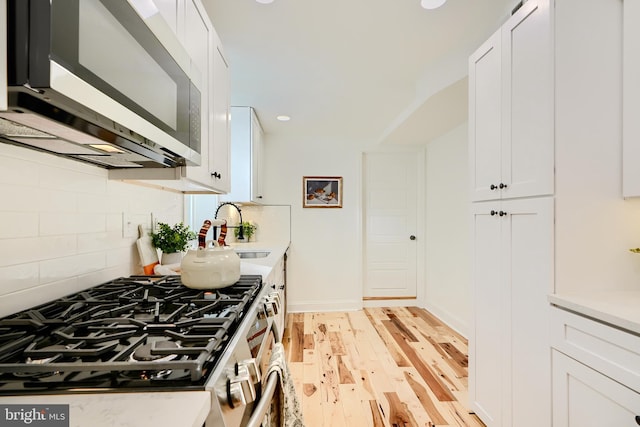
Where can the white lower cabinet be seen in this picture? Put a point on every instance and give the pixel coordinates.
(596, 373)
(583, 397)
(509, 360)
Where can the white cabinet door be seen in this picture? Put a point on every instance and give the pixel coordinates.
(583, 397)
(527, 102)
(246, 156)
(487, 341)
(169, 11)
(198, 43)
(631, 100)
(528, 276)
(511, 108)
(3, 56)
(485, 119)
(257, 163)
(509, 367)
(219, 161)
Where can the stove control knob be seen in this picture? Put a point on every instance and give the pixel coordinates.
(276, 296)
(240, 389)
(272, 306)
(250, 366)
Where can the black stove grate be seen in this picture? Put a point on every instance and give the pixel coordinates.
(136, 332)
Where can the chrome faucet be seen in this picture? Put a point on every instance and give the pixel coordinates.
(241, 228)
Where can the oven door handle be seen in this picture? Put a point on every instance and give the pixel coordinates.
(260, 410)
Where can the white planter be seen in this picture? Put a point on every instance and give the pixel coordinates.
(171, 258)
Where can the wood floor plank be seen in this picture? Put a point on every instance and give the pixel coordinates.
(379, 367)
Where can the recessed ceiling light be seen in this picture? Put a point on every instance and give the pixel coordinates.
(265, 1)
(283, 118)
(432, 4)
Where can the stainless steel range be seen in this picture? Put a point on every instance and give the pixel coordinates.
(149, 334)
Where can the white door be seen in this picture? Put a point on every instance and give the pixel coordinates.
(390, 238)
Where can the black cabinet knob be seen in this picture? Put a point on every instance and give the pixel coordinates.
(493, 187)
(638, 419)
(502, 213)
(216, 175)
(412, 237)
(493, 212)
(502, 185)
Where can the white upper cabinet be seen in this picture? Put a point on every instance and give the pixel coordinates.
(189, 20)
(246, 156)
(3, 56)
(511, 108)
(219, 161)
(631, 100)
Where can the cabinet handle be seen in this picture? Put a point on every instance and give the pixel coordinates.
(502, 185)
(638, 419)
(493, 187)
(412, 237)
(502, 213)
(216, 175)
(493, 212)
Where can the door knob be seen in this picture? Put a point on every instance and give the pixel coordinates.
(412, 237)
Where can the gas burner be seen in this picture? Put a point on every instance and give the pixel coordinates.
(156, 351)
(140, 332)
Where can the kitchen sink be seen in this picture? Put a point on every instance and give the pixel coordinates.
(253, 254)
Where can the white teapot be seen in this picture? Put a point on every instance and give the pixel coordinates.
(210, 267)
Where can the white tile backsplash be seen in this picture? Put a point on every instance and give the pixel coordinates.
(14, 170)
(18, 224)
(61, 226)
(18, 277)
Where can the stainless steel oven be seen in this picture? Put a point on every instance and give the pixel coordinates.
(243, 392)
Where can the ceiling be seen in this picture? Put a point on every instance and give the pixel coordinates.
(367, 70)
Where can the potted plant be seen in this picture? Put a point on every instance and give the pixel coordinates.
(248, 230)
(172, 241)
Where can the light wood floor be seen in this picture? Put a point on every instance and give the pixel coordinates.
(378, 367)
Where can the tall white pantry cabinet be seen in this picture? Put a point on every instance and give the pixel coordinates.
(512, 185)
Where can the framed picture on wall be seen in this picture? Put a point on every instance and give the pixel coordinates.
(322, 192)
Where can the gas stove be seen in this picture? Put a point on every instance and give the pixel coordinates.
(138, 333)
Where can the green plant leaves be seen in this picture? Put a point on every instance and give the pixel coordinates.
(172, 239)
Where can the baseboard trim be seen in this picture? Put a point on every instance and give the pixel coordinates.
(389, 298)
(306, 307)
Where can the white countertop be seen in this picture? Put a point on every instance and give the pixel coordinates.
(262, 266)
(159, 409)
(618, 308)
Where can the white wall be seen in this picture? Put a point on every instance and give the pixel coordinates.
(61, 227)
(324, 264)
(595, 227)
(447, 260)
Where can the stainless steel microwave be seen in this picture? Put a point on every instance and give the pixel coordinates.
(102, 81)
